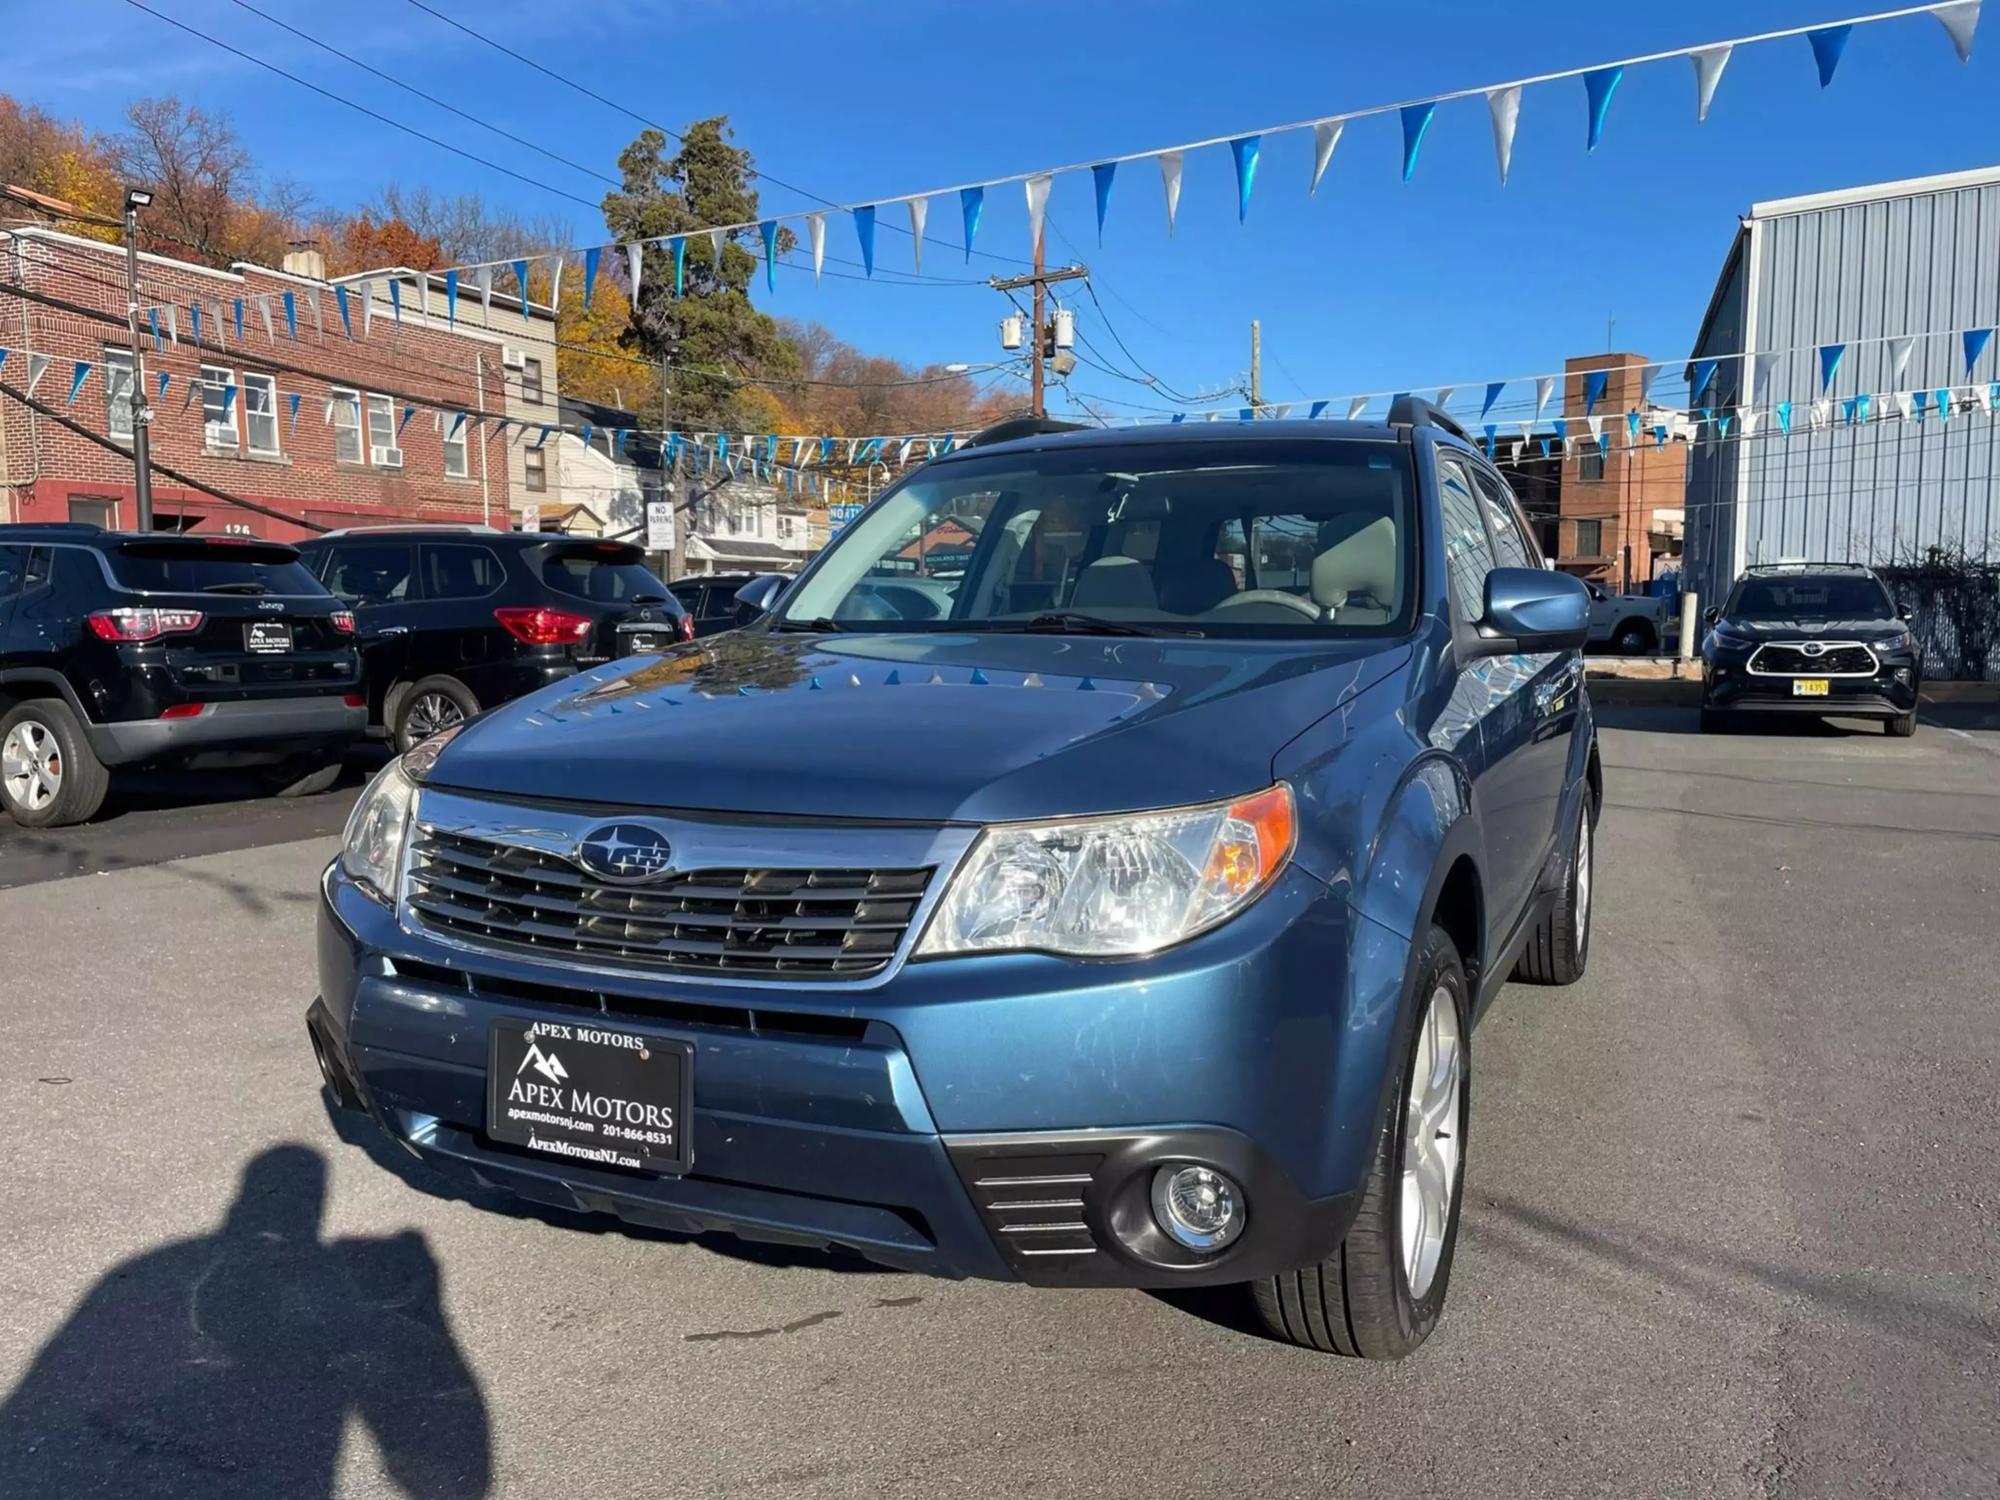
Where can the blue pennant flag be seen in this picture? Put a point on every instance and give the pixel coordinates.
(1827, 44)
(1920, 403)
(520, 277)
(1492, 429)
(864, 230)
(825, 449)
(590, 260)
(1704, 372)
(1493, 390)
(1632, 428)
(1600, 84)
(228, 400)
(1245, 148)
(165, 378)
(346, 318)
(623, 442)
(457, 422)
(1829, 363)
(1100, 179)
(194, 320)
(451, 298)
(1784, 410)
(1416, 120)
(153, 318)
(1593, 389)
(1659, 435)
(769, 230)
(1848, 409)
(77, 378)
(583, 434)
(1247, 414)
(1976, 340)
(721, 447)
(680, 264)
(411, 411)
(1318, 409)
(970, 201)
(1863, 402)
(1180, 416)
(239, 317)
(292, 403)
(1545, 446)
(395, 299)
(1722, 426)
(1942, 401)
(292, 315)
(3, 359)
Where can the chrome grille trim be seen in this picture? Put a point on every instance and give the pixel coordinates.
(1837, 659)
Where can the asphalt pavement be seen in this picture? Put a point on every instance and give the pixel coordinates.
(1733, 1218)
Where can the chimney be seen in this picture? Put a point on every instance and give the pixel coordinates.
(304, 258)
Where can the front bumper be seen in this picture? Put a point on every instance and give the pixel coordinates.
(1000, 1117)
(274, 725)
(1727, 685)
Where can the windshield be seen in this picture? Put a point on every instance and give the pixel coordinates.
(614, 579)
(1824, 598)
(194, 567)
(1235, 539)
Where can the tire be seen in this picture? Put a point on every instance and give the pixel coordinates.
(302, 775)
(48, 775)
(1633, 638)
(429, 705)
(1902, 726)
(1559, 946)
(1358, 1301)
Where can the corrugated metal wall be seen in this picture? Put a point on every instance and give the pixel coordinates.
(1866, 271)
(1713, 467)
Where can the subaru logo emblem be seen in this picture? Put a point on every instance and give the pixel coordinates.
(625, 853)
(1815, 648)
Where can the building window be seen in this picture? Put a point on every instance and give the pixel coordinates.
(1590, 468)
(1589, 538)
(88, 512)
(260, 412)
(455, 466)
(382, 450)
(218, 411)
(531, 381)
(118, 393)
(347, 426)
(787, 527)
(535, 466)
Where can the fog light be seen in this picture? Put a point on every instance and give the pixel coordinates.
(1197, 1207)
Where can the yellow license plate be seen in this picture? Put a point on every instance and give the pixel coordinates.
(1809, 687)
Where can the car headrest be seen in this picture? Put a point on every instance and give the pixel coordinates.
(1116, 583)
(1360, 569)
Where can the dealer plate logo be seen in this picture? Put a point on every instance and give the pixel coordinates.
(625, 853)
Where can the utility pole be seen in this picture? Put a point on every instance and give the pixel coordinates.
(1039, 337)
(667, 474)
(1256, 365)
(142, 412)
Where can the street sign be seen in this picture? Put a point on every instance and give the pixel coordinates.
(659, 525)
(837, 516)
(531, 516)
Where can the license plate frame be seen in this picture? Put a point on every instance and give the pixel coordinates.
(591, 1094)
(642, 642)
(267, 637)
(1810, 687)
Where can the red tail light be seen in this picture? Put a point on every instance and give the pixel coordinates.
(143, 624)
(342, 620)
(182, 710)
(544, 626)
(686, 628)
(355, 700)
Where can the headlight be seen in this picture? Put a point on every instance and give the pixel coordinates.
(1113, 887)
(372, 847)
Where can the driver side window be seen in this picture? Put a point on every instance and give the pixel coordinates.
(1468, 555)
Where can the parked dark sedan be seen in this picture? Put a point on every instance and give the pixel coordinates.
(1814, 638)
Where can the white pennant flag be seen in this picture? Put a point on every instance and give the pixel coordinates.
(1356, 407)
(1960, 21)
(264, 312)
(1596, 424)
(816, 232)
(1505, 106)
(919, 210)
(38, 366)
(716, 238)
(1326, 135)
(1170, 177)
(1527, 433)
(1822, 412)
(312, 306)
(215, 322)
(1708, 65)
(1906, 405)
(555, 283)
(367, 291)
(483, 279)
(1751, 416)
(1037, 189)
(1762, 369)
(1544, 388)
(173, 324)
(1445, 393)
(1982, 396)
(635, 267)
(326, 412)
(903, 453)
(1646, 374)
(1900, 351)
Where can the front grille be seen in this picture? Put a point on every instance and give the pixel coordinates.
(804, 924)
(1849, 660)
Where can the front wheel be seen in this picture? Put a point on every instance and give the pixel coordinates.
(1633, 639)
(1378, 1296)
(1559, 946)
(1902, 726)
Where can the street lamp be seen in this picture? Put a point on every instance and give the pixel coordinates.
(142, 416)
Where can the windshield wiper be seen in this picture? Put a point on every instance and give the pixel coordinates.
(823, 625)
(647, 599)
(1072, 622)
(235, 588)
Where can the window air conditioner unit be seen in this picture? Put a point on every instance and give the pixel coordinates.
(512, 358)
(385, 458)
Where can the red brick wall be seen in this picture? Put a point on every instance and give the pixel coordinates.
(42, 466)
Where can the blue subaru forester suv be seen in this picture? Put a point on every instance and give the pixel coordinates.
(1112, 907)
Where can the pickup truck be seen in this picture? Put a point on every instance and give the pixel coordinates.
(1628, 624)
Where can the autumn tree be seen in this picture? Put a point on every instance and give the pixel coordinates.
(711, 325)
(57, 158)
(365, 242)
(206, 205)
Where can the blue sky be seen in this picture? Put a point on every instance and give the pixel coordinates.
(1371, 284)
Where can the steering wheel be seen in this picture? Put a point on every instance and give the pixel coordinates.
(1293, 602)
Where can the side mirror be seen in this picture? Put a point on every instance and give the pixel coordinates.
(1711, 614)
(1905, 613)
(757, 597)
(1533, 610)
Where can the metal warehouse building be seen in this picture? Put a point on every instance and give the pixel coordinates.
(1864, 267)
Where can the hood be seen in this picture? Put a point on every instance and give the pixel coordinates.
(1871, 631)
(926, 727)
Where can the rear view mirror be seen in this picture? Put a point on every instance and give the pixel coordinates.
(1533, 610)
(757, 597)
(1904, 612)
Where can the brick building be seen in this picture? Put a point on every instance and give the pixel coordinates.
(363, 443)
(1621, 508)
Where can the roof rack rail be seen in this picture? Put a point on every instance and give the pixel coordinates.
(90, 526)
(1415, 411)
(1804, 565)
(1020, 427)
(459, 528)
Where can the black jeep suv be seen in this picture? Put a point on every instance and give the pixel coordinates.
(1815, 638)
(120, 649)
(454, 619)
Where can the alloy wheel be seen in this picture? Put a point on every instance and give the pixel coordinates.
(431, 713)
(1431, 1140)
(31, 766)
